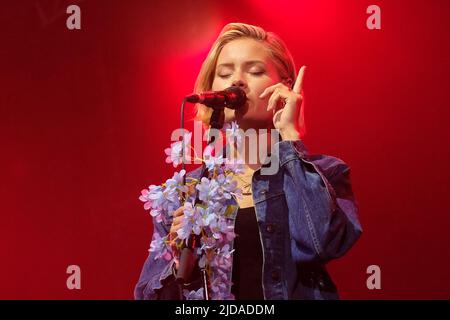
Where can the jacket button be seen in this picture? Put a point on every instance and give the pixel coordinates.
(270, 228)
(275, 275)
(321, 284)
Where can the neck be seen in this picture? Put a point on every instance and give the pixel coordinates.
(256, 148)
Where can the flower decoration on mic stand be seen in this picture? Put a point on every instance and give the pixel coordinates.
(207, 214)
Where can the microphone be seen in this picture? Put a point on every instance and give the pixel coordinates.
(232, 98)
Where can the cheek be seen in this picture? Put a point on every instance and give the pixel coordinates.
(218, 84)
(260, 105)
(214, 85)
(261, 84)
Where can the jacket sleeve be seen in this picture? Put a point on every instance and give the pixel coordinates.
(323, 213)
(154, 272)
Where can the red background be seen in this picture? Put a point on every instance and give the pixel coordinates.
(85, 116)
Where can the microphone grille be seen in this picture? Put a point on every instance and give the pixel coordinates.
(238, 99)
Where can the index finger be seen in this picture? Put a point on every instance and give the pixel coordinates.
(298, 85)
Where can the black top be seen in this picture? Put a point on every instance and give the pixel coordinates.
(247, 260)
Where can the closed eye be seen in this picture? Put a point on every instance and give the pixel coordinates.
(255, 73)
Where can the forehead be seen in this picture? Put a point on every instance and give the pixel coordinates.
(241, 50)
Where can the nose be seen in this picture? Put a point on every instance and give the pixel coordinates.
(239, 83)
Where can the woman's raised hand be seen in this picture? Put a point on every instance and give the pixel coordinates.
(286, 104)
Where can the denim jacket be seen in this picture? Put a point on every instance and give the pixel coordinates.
(307, 215)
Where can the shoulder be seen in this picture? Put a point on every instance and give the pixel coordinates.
(329, 165)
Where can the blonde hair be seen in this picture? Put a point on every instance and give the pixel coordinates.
(282, 59)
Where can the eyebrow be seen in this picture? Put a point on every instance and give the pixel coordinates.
(251, 62)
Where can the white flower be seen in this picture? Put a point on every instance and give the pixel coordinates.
(174, 153)
(194, 295)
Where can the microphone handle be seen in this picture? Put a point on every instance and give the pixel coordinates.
(188, 260)
(217, 119)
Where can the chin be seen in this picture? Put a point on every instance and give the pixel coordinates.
(229, 116)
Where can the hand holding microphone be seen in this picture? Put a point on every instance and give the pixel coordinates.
(185, 257)
(178, 218)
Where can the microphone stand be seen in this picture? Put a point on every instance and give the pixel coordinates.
(187, 257)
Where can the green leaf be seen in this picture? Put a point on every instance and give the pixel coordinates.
(230, 210)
